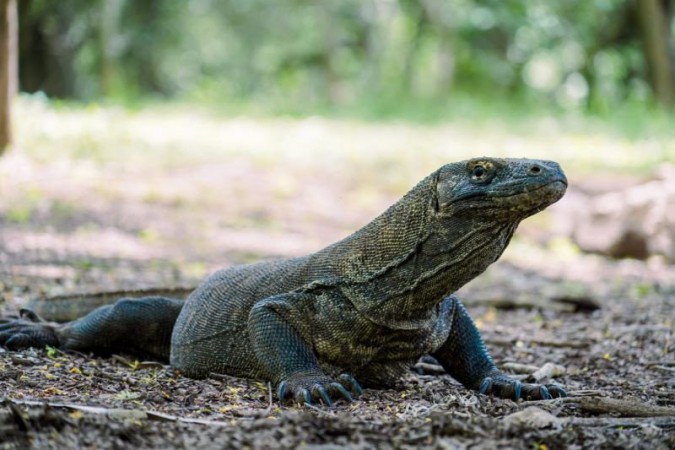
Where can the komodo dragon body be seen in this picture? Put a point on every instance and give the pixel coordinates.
(365, 308)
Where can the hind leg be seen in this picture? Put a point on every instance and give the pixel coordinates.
(140, 327)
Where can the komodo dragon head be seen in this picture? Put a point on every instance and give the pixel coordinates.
(512, 189)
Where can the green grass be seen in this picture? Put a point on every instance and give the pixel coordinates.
(173, 176)
(631, 119)
(173, 136)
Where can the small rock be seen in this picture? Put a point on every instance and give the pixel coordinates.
(548, 370)
(635, 222)
(532, 417)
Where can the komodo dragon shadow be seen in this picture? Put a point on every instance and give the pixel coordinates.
(364, 308)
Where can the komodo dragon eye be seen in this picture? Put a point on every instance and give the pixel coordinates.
(481, 172)
(478, 172)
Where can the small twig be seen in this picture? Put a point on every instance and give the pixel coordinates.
(74, 353)
(508, 342)
(271, 401)
(219, 376)
(583, 303)
(130, 380)
(638, 328)
(585, 393)
(562, 303)
(118, 412)
(509, 304)
(155, 415)
(319, 410)
(661, 363)
(151, 365)
(503, 342)
(627, 422)
(626, 408)
(519, 368)
(20, 360)
(560, 344)
(124, 361)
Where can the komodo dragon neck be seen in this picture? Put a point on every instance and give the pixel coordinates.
(399, 267)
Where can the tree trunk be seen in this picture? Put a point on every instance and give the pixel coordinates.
(8, 68)
(110, 18)
(438, 15)
(654, 16)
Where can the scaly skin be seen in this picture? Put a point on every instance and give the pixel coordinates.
(365, 308)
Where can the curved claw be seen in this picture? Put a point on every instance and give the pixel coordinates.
(544, 393)
(486, 386)
(517, 390)
(557, 391)
(303, 397)
(317, 388)
(281, 391)
(341, 389)
(29, 314)
(354, 385)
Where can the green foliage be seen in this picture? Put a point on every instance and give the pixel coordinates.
(51, 351)
(21, 211)
(414, 59)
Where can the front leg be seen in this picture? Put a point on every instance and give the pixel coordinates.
(280, 330)
(465, 357)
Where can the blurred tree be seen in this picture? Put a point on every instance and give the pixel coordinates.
(51, 39)
(8, 61)
(656, 17)
(381, 54)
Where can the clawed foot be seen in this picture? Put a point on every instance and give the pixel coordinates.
(503, 386)
(27, 331)
(309, 388)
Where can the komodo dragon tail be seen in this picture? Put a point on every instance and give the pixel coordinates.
(67, 307)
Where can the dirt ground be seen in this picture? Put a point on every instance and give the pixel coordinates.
(604, 328)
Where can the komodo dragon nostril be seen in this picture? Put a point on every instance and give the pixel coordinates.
(535, 170)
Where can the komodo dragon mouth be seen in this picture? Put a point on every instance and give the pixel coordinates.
(533, 200)
(504, 201)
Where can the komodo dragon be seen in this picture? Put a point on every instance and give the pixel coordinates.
(364, 308)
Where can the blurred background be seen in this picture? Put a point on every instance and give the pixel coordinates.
(421, 59)
(154, 140)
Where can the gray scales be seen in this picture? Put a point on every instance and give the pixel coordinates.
(365, 308)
